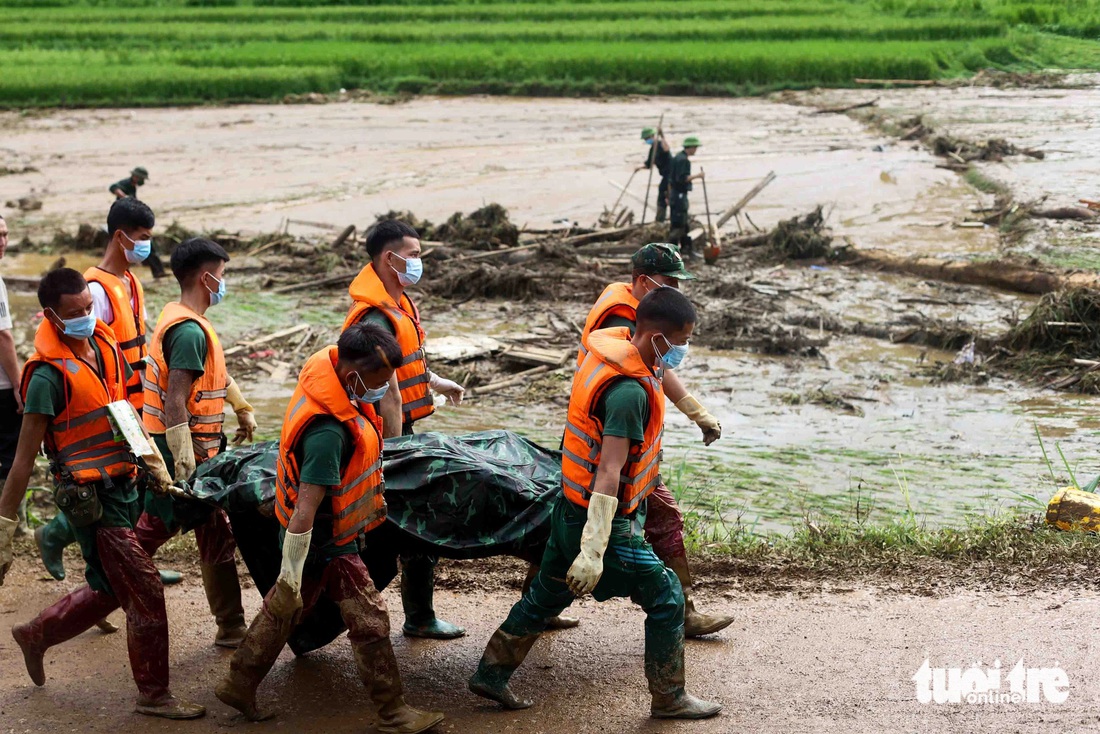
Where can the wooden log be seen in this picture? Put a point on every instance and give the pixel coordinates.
(538, 355)
(736, 208)
(516, 379)
(849, 108)
(242, 346)
(1066, 212)
(899, 82)
(493, 253)
(1073, 510)
(607, 235)
(341, 279)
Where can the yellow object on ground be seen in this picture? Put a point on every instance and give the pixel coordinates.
(1072, 509)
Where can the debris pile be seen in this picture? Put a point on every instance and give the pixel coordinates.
(488, 228)
(801, 238)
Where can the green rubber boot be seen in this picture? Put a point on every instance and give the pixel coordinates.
(52, 538)
(169, 577)
(417, 590)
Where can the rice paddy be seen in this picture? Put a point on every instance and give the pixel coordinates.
(110, 52)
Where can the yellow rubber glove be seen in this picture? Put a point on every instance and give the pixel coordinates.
(154, 462)
(246, 415)
(693, 409)
(587, 568)
(183, 451)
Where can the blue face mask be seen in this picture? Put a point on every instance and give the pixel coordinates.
(672, 358)
(82, 327)
(217, 296)
(364, 394)
(414, 269)
(649, 141)
(142, 249)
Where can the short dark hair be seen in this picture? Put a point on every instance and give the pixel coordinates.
(192, 254)
(129, 213)
(57, 283)
(370, 346)
(665, 308)
(387, 232)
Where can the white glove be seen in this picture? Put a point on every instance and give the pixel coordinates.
(7, 535)
(286, 602)
(449, 388)
(587, 568)
(183, 451)
(693, 409)
(246, 415)
(154, 462)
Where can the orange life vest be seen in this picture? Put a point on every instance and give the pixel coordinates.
(80, 441)
(611, 356)
(206, 403)
(617, 299)
(367, 292)
(128, 325)
(358, 504)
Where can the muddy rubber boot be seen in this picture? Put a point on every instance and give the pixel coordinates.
(502, 656)
(252, 662)
(169, 577)
(377, 668)
(51, 539)
(560, 622)
(696, 624)
(63, 620)
(664, 668)
(170, 707)
(223, 592)
(417, 590)
(106, 626)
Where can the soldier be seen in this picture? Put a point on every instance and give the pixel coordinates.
(660, 155)
(329, 492)
(75, 373)
(610, 465)
(658, 265)
(128, 187)
(186, 389)
(118, 300)
(379, 298)
(680, 179)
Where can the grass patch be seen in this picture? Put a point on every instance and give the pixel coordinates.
(984, 183)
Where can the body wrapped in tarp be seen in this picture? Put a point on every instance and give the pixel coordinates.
(471, 496)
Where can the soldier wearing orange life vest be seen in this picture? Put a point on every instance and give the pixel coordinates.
(118, 300)
(379, 298)
(329, 492)
(69, 385)
(610, 466)
(186, 390)
(659, 265)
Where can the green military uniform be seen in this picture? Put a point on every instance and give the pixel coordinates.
(679, 186)
(46, 396)
(126, 186)
(663, 160)
(323, 454)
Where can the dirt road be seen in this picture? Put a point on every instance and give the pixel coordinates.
(832, 658)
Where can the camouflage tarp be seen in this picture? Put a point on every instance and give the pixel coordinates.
(471, 496)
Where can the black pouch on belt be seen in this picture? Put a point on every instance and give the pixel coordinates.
(80, 503)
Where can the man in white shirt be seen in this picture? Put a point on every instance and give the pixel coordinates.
(11, 374)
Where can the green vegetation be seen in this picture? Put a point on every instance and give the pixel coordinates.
(117, 52)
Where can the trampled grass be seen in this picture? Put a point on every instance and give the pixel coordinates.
(114, 52)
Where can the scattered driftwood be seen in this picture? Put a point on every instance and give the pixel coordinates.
(849, 108)
(341, 279)
(252, 343)
(516, 379)
(607, 235)
(493, 253)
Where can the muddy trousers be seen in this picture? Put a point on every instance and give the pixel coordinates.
(346, 581)
(631, 569)
(664, 524)
(137, 589)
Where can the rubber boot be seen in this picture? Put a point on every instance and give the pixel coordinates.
(417, 590)
(52, 538)
(378, 670)
(664, 668)
(63, 620)
(502, 656)
(560, 622)
(106, 626)
(252, 662)
(170, 707)
(169, 577)
(223, 592)
(696, 624)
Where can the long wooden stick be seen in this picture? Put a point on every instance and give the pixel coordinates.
(620, 199)
(706, 203)
(736, 208)
(653, 163)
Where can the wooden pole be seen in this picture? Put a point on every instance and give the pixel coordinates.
(736, 208)
(710, 250)
(652, 163)
(620, 199)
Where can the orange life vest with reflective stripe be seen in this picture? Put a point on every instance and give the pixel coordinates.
(80, 441)
(367, 292)
(206, 403)
(611, 357)
(617, 299)
(128, 325)
(358, 504)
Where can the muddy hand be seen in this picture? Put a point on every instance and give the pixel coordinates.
(7, 535)
(246, 427)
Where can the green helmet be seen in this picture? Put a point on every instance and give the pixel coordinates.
(648, 132)
(140, 172)
(691, 142)
(660, 258)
